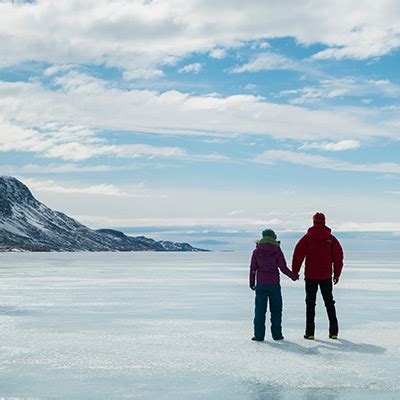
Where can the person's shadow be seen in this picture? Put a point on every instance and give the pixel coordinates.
(340, 345)
(347, 346)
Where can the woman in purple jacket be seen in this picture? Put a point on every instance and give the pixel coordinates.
(266, 261)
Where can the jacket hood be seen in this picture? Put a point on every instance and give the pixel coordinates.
(269, 240)
(269, 247)
(319, 232)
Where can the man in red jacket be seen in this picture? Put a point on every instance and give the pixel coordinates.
(324, 256)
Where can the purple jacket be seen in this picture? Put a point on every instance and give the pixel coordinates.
(266, 261)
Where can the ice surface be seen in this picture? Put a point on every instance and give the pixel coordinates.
(178, 326)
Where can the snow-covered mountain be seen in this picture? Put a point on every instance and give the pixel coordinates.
(27, 224)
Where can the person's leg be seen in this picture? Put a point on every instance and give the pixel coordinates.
(259, 313)
(275, 307)
(326, 291)
(311, 297)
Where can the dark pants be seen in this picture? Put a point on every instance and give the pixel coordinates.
(263, 294)
(311, 297)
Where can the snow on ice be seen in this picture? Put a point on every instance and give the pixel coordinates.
(178, 326)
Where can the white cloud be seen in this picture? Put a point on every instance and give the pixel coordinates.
(71, 144)
(314, 161)
(141, 37)
(56, 69)
(360, 44)
(349, 86)
(52, 186)
(232, 223)
(229, 226)
(214, 140)
(267, 61)
(250, 86)
(218, 53)
(368, 227)
(74, 143)
(332, 146)
(195, 68)
(209, 157)
(143, 73)
(61, 168)
(75, 151)
(327, 89)
(36, 118)
(235, 212)
(265, 45)
(210, 210)
(385, 87)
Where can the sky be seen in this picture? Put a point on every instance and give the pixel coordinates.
(206, 121)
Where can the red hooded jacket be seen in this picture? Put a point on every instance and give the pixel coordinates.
(322, 252)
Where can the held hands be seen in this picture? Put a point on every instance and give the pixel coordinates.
(295, 277)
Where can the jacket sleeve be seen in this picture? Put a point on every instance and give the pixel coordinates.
(300, 252)
(283, 266)
(253, 270)
(337, 256)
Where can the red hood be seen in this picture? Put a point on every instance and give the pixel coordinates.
(319, 232)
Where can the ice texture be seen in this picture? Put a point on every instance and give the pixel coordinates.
(178, 326)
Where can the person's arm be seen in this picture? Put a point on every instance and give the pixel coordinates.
(300, 252)
(337, 255)
(253, 271)
(281, 261)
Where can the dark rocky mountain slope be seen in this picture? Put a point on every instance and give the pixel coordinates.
(28, 225)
